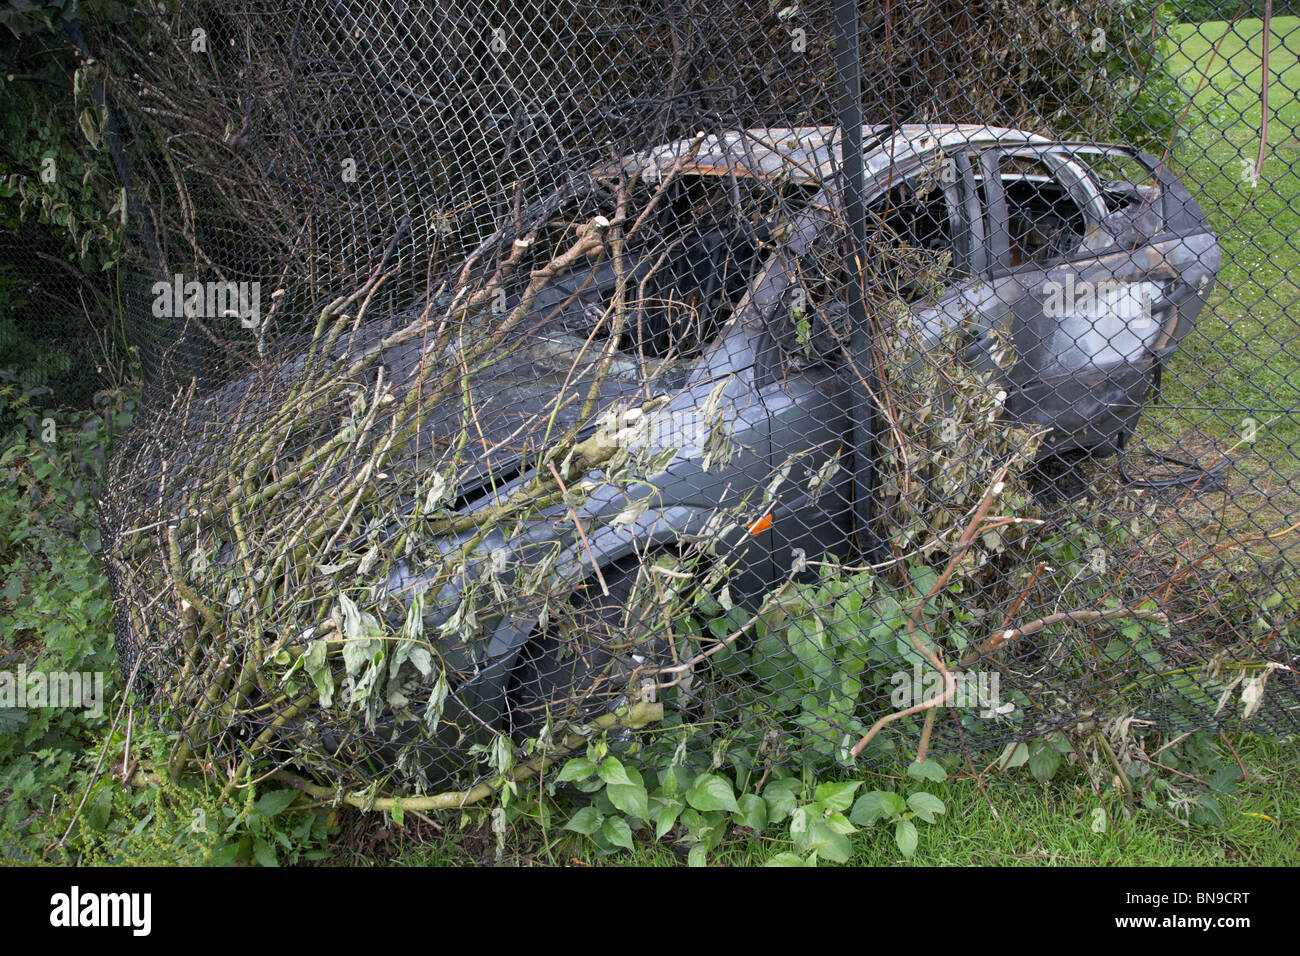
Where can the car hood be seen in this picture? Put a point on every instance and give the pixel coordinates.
(524, 397)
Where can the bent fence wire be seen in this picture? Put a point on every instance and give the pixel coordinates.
(521, 371)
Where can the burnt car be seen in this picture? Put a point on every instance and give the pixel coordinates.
(1093, 261)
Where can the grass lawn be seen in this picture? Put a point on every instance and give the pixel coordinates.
(1234, 387)
(1243, 358)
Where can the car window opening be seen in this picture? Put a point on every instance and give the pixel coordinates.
(912, 243)
(1129, 189)
(1044, 222)
(914, 238)
(687, 268)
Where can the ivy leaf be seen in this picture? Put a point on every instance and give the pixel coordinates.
(712, 792)
(926, 805)
(905, 837)
(697, 856)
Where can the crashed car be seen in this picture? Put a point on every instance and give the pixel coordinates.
(1093, 261)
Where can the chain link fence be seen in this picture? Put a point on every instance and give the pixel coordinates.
(769, 384)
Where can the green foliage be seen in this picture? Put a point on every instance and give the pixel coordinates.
(26, 17)
(1142, 100)
(55, 605)
(1191, 776)
(697, 810)
(60, 768)
(63, 211)
(54, 170)
(151, 821)
(1196, 779)
(1199, 11)
(721, 813)
(821, 659)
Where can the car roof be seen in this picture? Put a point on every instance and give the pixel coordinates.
(810, 154)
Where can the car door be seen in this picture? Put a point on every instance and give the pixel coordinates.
(810, 391)
(1079, 278)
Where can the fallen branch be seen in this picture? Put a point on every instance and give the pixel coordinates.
(1012, 633)
(638, 715)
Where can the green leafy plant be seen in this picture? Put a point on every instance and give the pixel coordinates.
(62, 792)
(147, 819)
(55, 605)
(698, 809)
(622, 801)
